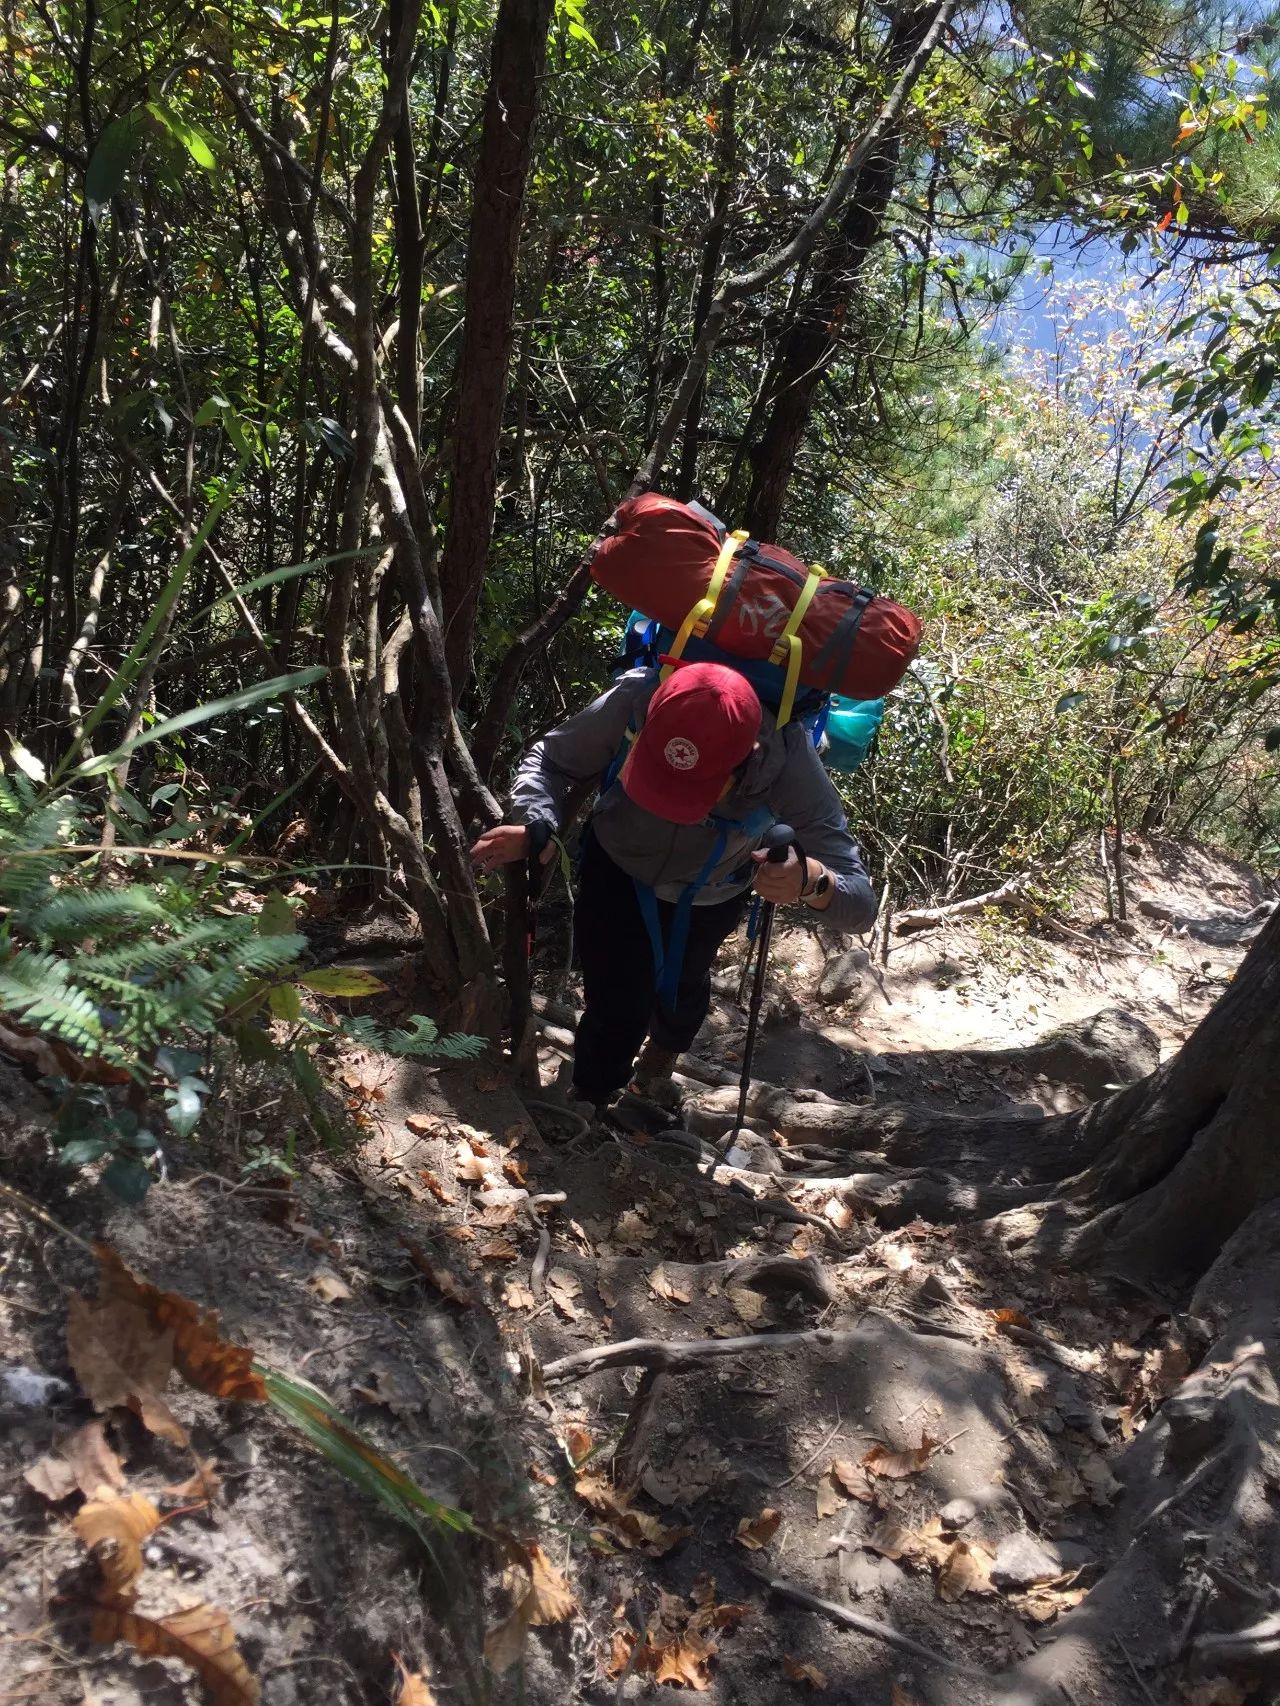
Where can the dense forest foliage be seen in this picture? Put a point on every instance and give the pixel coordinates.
(332, 336)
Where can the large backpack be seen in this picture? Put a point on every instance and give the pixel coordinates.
(725, 598)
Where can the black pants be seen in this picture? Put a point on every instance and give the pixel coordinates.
(618, 974)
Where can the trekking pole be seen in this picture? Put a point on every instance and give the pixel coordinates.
(778, 844)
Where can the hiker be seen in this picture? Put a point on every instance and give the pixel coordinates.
(671, 853)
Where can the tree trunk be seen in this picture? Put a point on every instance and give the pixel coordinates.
(810, 344)
(511, 107)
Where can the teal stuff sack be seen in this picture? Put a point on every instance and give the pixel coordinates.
(851, 727)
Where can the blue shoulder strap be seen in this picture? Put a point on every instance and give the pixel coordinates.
(668, 958)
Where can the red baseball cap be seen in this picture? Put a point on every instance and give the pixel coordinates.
(701, 723)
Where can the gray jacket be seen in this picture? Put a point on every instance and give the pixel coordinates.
(784, 782)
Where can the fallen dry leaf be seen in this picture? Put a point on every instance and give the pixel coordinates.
(896, 1257)
(895, 1465)
(1003, 1319)
(828, 1498)
(460, 1234)
(798, 1670)
(685, 1662)
(852, 1480)
(121, 1360)
(423, 1124)
(203, 1487)
(517, 1172)
(202, 1637)
(83, 1462)
(439, 1190)
(113, 1531)
(189, 1337)
(838, 1213)
(634, 1529)
(748, 1305)
(1065, 1487)
(890, 1539)
(608, 1296)
(667, 1289)
(415, 1690)
(562, 1288)
(516, 1295)
(898, 1696)
(546, 1598)
(632, 1230)
(966, 1569)
(1045, 1602)
(755, 1532)
(437, 1275)
(1221, 1691)
(578, 1443)
(498, 1250)
(328, 1286)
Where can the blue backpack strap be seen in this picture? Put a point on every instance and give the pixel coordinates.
(820, 724)
(668, 958)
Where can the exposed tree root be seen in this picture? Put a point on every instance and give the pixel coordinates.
(679, 1357)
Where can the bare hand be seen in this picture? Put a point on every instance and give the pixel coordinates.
(506, 844)
(780, 884)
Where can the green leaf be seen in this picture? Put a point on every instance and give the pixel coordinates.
(1069, 702)
(228, 704)
(210, 410)
(1272, 739)
(335, 981)
(284, 1003)
(184, 1104)
(177, 1063)
(111, 158)
(27, 762)
(193, 139)
(84, 1150)
(253, 1044)
(128, 1180)
(276, 917)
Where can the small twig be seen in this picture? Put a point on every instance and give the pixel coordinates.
(33, 1208)
(681, 1356)
(1136, 1674)
(865, 1625)
(332, 1350)
(538, 1272)
(810, 1461)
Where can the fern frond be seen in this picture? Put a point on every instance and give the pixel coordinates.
(75, 913)
(37, 987)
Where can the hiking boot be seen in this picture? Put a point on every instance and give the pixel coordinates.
(651, 1077)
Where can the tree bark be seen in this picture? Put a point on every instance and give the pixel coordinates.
(510, 110)
(810, 343)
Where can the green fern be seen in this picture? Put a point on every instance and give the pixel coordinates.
(421, 1039)
(37, 988)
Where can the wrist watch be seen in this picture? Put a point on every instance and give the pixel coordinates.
(818, 887)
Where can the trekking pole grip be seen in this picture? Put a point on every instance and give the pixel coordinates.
(778, 842)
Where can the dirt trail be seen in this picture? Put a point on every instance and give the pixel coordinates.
(972, 1462)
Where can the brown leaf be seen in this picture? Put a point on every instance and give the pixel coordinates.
(685, 1662)
(120, 1359)
(667, 1289)
(83, 1461)
(748, 1305)
(827, 1498)
(329, 1287)
(203, 1487)
(755, 1532)
(608, 1296)
(838, 1213)
(1100, 1483)
(890, 1539)
(201, 1355)
(1065, 1487)
(460, 1234)
(113, 1531)
(546, 1598)
(472, 1167)
(632, 1528)
(798, 1670)
(516, 1295)
(895, 1465)
(578, 1443)
(498, 1250)
(423, 1124)
(517, 1172)
(967, 1569)
(1003, 1319)
(202, 1637)
(896, 1257)
(437, 1275)
(852, 1480)
(415, 1690)
(439, 1190)
(562, 1288)
(898, 1696)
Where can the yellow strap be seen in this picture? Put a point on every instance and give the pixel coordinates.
(790, 647)
(700, 616)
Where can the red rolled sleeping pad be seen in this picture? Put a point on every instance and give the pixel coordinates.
(659, 556)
